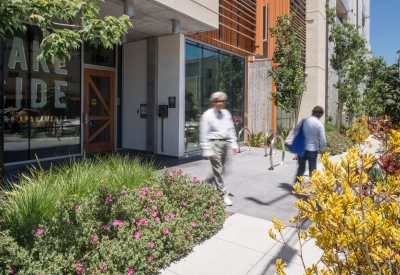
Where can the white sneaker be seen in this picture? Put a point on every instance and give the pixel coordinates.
(227, 201)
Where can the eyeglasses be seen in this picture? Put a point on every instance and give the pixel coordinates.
(222, 101)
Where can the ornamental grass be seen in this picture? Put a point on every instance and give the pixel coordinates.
(109, 228)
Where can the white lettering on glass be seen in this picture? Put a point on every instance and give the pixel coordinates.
(17, 54)
(34, 93)
(57, 66)
(35, 63)
(18, 92)
(58, 94)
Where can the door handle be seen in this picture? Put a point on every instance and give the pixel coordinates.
(85, 118)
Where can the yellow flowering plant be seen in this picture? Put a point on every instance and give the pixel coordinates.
(354, 206)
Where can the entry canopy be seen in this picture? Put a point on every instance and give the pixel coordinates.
(155, 17)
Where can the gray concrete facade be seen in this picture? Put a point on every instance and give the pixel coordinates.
(259, 89)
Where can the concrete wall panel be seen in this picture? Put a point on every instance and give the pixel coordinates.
(134, 93)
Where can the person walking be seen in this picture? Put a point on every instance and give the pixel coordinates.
(217, 133)
(314, 132)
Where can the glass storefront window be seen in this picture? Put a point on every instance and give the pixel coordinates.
(209, 70)
(42, 104)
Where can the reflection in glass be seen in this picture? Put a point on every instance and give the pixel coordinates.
(207, 71)
(42, 101)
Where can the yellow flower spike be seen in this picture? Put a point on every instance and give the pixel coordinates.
(272, 234)
(303, 235)
(280, 266)
(293, 220)
(278, 225)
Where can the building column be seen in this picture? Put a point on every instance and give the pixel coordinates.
(152, 95)
(316, 52)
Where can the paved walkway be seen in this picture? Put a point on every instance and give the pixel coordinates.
(243, 246)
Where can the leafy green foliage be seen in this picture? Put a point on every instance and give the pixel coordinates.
(349, 61)
(35, 197)
(288, 75)
(139, 229)
(330, 128)
(257, 139)
(55, 18)
(337, 143)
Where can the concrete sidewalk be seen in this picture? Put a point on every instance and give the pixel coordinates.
(243, 246)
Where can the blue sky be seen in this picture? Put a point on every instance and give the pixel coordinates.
(385, 29)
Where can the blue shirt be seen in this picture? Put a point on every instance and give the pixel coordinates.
(314, 131)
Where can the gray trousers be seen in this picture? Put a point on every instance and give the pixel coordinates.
(217, 162)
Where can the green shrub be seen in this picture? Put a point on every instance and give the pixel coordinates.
(118, 231)
(34, 197)
(337, 143)
(257, 139)
(330, 128)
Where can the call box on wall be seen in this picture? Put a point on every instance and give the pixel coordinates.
(163, 111)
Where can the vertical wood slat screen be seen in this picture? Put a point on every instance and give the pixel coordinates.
(237, 27)
(299, 7)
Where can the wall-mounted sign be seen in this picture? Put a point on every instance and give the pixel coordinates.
(143, 110)
(91, 123)
(94, 101)
(172, 102)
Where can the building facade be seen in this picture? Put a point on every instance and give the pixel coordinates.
(149, 93)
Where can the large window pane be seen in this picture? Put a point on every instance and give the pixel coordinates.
(207, 71)
(42, 106)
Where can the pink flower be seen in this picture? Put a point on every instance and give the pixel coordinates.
(150, 200)
(139, 222)
(188, 233)
(130, 271)
(170, 174)
(194, 178)
(39, 231)
(145, 190)
(172, 215)
(184, 204)
(193, 224)
(146, 210)
(105, 226)
(94, 239)
(177, 171)
(117, 223)
(165, 231)
(78, 207)
(154, 214)
(141, 196)
(157, 219)
(144, 222)
(109, 199)
(80, 271)
(159, 194)
(213, 200)
(166, 218)
(154, 207)
(213, 211)
(104, 267)
(205, 215)
(196, 196)
(151, 244)
(209, 185)
(149, 258)
(109, 195)
(212, 219)
(123, 192)
(191, 184)
(183, 237)
(78, 264)
(14, 270)
(137, 235)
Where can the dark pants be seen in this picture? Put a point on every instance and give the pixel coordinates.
(311, 156)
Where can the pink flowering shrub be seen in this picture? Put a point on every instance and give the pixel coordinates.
(337, 143)
(118, 236)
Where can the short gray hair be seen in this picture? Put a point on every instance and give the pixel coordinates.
(218, 94)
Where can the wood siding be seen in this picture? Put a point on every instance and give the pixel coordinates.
(237, 27)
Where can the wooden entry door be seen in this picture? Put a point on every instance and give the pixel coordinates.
(98, 111)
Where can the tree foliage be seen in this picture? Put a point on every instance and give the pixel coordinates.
(375, 67)
(288, 74)
(349, 61)
(65, 24)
